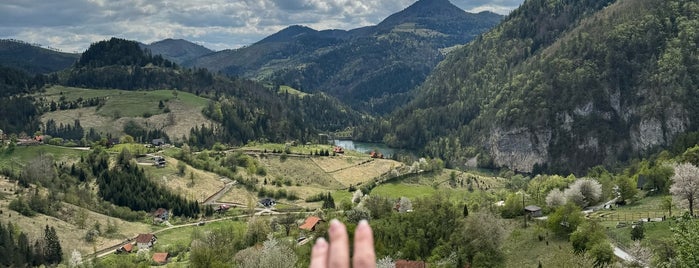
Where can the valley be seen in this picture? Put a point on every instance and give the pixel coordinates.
(563, 134)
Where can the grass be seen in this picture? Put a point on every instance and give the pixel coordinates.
(291, 91)
(523, 248)
(397, 190)
(122, 106)
(23, 154)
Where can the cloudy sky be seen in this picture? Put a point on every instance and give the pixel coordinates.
(71, 25)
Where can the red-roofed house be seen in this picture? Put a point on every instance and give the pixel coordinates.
(410, 264)
(125, 248)
(144, 241)
(161, 257)
(310, 223)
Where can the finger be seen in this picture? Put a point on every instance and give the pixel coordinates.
(339, 245)
(364, 255)
(319, 254)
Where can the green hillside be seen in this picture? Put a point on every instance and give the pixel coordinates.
(369, 68)
(561, 86)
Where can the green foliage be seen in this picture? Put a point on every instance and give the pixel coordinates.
(565, 219)
(568, 69)
(637, 232)
(586, 236)
(20, 251)
(685, 237)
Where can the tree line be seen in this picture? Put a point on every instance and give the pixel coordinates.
(20, 251)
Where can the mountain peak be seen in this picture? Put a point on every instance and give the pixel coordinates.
(288, 33)
(424, 10)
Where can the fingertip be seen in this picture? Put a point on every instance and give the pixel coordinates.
(319, 253)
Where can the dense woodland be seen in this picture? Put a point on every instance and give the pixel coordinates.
(574, 68)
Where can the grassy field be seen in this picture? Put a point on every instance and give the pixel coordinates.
(291, 91)
(24, 154)
(523, 248)
(122, 106)
(205, 183)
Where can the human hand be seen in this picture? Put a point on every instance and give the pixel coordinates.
(336, 253)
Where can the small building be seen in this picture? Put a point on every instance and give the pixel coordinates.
(161, 257)
(159, 161)
(267, 202)
(410, 264)
(310, 223)
(162, 214)
(533, 211)
(375, 154)
(146, 241)
(158, 142)
(338, 150)
(125, 248)
(222, 208)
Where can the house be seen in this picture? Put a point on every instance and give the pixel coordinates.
(533, 211)
(222, 208)
(160, 257)
(159, 161)
(145, 241)
(641, 183)
(39, 138)
(410, 264)
(375, 154)
(267, 202)
(338, 150)
(310, 223)
(162, 214)
(125, 248)
(158, 142)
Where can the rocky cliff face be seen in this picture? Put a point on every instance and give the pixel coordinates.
(519, 148)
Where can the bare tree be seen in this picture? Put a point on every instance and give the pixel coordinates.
(685, 184)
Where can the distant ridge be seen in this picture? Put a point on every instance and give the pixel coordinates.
(177, 50)
(33, 58)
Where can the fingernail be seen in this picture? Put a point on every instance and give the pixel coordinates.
(320, 243)
(334, 225)
(363, 224)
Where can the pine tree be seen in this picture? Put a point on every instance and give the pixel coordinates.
(53, 252)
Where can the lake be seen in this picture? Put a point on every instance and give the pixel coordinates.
(366, 147)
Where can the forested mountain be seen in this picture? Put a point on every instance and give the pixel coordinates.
(369, 68)
(33, 59)
(246, 110)
(562, 86)
(177, 50)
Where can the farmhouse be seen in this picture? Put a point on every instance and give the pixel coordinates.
(145, 241)
(310, 223)
(222, 208)
(160, 257)
(533, 211)
(158, 142)
(410, 264)
(162, 214)
(125, 248)
(159, 161)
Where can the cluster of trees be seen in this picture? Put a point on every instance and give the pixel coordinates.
(127, 185)
(19, 251)
(143, 135)
(69, 132)
(64, 104)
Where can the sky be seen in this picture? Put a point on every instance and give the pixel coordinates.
(72, 25)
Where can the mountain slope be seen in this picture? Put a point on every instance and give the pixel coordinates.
(177, 50)
(33, 59)
(369, 68)
(562, 86)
